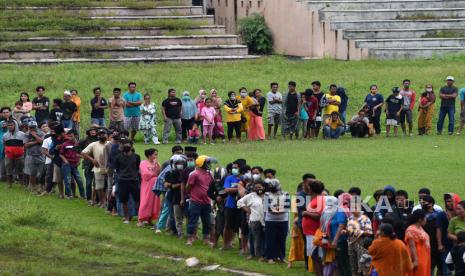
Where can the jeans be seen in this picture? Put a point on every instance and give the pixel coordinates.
(275, 239)
(167, 128)
(178, 217)
(70, 172)
(67, 124)
(333, 133)
(450, 112)
(256, 238)
(165, 210)
(197, 210)
(98, 121)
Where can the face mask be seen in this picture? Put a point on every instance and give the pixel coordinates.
(429, 89)
(235, 171)
(190, 164)
(243, 94)
(248, 175)
(260, 191)
(232, 98)
(186, 98)
(407, 86)
(179, 167)
(255, 177)
(202, 96)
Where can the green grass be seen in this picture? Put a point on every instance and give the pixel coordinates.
(73, 237)
(444, 34)
(135, 4)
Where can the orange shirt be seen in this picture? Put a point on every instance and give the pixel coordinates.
(76, 115)
(390, 257)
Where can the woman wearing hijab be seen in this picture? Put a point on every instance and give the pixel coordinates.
(256, 130)
(451, 201)
(247, 102)
(334, 243)
(389, 255)
(218, 129)
(188, 114)
(233, 108)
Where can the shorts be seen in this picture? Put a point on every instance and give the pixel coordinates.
(131, 123)
(274, 119)
(462, 116)
(232, 219)
(219, 222)
(392, 120)
(33, 166)
(127, 188)
(99, 181)
(14, 166)
(57, 177)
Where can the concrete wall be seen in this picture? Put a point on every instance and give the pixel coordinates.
(296, 28)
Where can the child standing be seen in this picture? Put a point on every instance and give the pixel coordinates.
(18, 111)
(393, 107)
(56, 113)
(208, 114)
(148, 121)
(194, 134)
(69, 154)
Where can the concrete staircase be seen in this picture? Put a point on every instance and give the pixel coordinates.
(392, 29)
(115, 34)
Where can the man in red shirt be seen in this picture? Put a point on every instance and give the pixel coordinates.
(409, 96)
(200, 204)
(69, 154)
(311, 220)
(312, 106)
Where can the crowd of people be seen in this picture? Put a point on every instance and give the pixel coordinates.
(334, 234)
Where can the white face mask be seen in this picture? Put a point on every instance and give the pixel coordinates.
(232, 98)
(179, 167)
(255, 177)
(248, 175)
(429, 89)
(243, 94)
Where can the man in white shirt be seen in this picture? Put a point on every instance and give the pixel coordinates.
(275, 100)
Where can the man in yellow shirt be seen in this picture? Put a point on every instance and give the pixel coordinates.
(333, 102)
(333, 127)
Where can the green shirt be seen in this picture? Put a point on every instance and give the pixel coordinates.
(456, 225)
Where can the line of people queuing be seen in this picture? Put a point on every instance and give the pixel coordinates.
(335, 234)
(202, 118)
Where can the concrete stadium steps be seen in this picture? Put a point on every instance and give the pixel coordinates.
(209, 19)
(410, 43)
(189, 59)
(379, 14)
(401, 33)
(385, 4)
(125, 41)
(128, 31)
(397, 24)
(414, 53)
(186, 34)
(120, 11)
(126, 52)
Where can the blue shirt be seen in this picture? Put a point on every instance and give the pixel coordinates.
(462, 94)
(132, 111)
(231, 182)
(374, 100)
(338, 219)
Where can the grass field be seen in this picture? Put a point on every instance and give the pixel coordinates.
(51, 236)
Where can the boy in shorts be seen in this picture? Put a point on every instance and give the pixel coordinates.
(394, 105)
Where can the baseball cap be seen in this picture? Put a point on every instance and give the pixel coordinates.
(450, 78)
